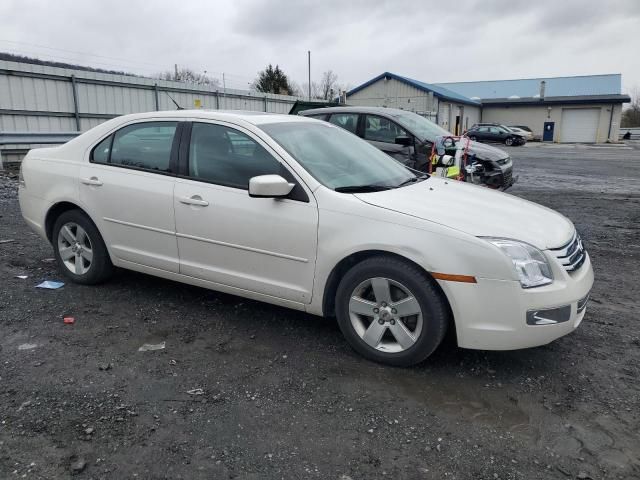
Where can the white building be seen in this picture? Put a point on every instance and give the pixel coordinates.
(559, 109)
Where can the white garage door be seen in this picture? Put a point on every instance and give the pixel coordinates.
(579, 125)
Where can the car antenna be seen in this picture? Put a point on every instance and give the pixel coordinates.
(174, 102)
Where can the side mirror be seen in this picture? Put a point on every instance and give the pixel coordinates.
(269, 186)
(404, 141)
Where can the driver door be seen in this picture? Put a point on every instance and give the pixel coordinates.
(261, 245)
(382, 133)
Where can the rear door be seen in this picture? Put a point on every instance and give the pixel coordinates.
(346, 120)
(127, 188)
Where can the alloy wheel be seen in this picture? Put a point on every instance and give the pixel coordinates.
(386, 315)
(74, 247)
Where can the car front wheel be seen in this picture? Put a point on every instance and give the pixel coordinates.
(390, 311)
(79, 249)
(473, 138)
(508, 141)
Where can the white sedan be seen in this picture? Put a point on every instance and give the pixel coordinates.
(303, 214)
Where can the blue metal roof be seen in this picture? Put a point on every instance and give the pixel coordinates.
(530, 87)
(438, 90)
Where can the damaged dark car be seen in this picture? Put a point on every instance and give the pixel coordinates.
(409, 138)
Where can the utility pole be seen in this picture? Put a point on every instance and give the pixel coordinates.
(309, 65)
(175, 66)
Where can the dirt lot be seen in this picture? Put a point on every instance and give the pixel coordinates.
(283, 396)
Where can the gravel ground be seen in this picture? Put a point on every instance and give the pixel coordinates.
(252, 391)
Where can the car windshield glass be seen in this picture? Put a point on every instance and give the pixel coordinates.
(420, 126)
(338, 159)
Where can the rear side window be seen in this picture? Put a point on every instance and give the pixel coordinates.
(348, 121)
(318, 116)
(142, 145)
(225, 156)
(101, 153)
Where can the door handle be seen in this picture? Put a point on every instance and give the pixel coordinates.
(91, 181)
(194, 200)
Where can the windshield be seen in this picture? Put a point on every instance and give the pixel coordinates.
(420, 126)
(336, 158)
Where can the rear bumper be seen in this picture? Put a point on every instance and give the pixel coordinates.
(32, 209)
(492, 314)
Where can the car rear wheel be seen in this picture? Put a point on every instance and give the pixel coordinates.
(508, 141)
(79, 249)
(390, 311)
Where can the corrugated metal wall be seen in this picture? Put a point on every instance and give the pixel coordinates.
(37, 98)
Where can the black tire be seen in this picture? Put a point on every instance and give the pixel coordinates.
(435, 311)
(473, 139)
(508, 141)
(100, 267)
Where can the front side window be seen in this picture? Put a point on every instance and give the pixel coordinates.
(348, 121)
(142, 145)
(380, 129)
(336, 158)
(225, 156)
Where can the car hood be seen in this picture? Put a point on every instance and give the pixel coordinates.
(486, 152)
(478, 211)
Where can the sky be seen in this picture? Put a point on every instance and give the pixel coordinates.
(432, 41)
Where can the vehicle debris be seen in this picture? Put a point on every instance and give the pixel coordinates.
(51, 284)
(148, 347)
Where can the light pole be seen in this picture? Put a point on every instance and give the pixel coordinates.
(309, 65)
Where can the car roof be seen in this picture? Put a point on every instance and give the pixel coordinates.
(354, 109)
(255, 118)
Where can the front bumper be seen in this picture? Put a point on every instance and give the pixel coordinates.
(492, 314)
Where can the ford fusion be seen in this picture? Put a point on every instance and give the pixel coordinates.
(300, 213)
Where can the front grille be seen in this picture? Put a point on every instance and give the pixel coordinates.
(572, 255)
(506, 178)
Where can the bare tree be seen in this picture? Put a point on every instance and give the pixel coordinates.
(328, 85)
(188, 76)
(631, 114)
(303, 90)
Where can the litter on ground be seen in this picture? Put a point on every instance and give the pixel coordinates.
(50, 284)
(151, 346)
(196, 391)
(22, 277)
(68, 320)
(27, 346)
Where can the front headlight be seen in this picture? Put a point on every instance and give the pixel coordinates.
(530, 264)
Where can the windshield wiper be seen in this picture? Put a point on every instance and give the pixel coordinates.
(361, 188)
(412, 180)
